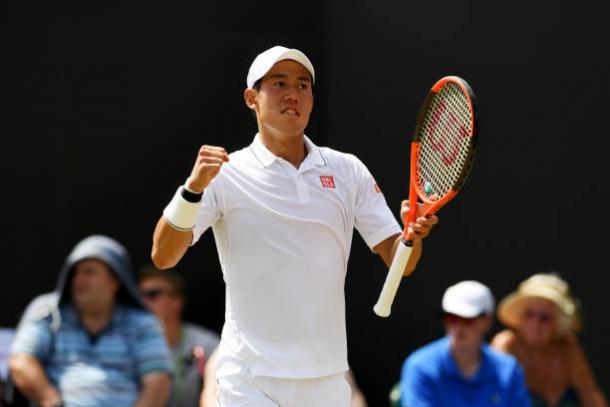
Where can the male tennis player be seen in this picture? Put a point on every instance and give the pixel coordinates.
(283, 212)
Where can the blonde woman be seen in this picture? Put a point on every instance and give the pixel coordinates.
(542, 319)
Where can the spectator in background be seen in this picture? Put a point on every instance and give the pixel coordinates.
(96, 344)
(543, 317)
(164, 293)
(461, 369)
(6, 337)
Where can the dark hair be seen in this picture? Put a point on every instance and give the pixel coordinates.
(257, 85)
(174, 279)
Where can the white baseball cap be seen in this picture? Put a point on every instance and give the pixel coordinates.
(265, 60)
(468, 299)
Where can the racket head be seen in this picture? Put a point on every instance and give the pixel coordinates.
(444, 142)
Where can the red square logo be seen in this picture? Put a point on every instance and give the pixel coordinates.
(327, 181)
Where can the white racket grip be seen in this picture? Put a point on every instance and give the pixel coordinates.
(392, 280)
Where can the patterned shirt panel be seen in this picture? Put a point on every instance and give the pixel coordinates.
(103, 370)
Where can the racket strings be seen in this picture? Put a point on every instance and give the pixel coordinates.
(445, 142)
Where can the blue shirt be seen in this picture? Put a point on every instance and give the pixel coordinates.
(430, 377)
(104, 370)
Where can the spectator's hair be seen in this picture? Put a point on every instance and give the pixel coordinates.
(174, 279)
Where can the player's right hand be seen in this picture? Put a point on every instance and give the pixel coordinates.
(208, 164)
(423, 224)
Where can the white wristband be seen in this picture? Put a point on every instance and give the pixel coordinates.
(180, 213)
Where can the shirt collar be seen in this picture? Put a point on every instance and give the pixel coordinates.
(261, 152)
(450, 366)
(266, 157)
(314, 154)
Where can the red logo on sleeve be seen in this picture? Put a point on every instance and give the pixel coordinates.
(327, 181)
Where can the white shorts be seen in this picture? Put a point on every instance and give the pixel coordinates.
(242, 390)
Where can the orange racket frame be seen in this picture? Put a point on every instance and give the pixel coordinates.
(403, 253)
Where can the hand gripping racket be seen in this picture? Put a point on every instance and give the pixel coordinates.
(442, 152)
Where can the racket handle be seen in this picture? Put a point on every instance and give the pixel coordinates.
(392, 280)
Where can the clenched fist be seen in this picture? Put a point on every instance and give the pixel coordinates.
(208, 164)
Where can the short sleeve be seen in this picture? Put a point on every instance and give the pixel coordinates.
(210, 211)
(152, 353)
(33, 338)
(39, 307)
(373, 218)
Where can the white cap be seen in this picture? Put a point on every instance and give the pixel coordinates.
(265, 60)
(468, 299)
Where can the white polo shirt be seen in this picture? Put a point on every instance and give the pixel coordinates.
(284, 236)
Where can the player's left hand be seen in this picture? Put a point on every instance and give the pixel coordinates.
(423, 224)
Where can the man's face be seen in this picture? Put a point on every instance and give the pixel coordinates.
(466, 333)
(284, 101)
(160, 298)
(93, 286)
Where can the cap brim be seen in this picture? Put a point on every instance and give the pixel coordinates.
(289, 54)
(461, 309)
(512, 307)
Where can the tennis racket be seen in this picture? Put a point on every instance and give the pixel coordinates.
(442, 152)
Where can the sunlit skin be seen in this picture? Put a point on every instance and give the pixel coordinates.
(539, 322)
(93, 288)
(283, 105)
(553, 362)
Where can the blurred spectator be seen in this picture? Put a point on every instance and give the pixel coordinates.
(6, 394)
(38, 308)
(543, 317)
(164, 293)
(461, 369)
(92, 343)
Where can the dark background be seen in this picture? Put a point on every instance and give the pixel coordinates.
(106, 108)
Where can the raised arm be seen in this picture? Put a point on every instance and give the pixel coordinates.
(173, 233)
